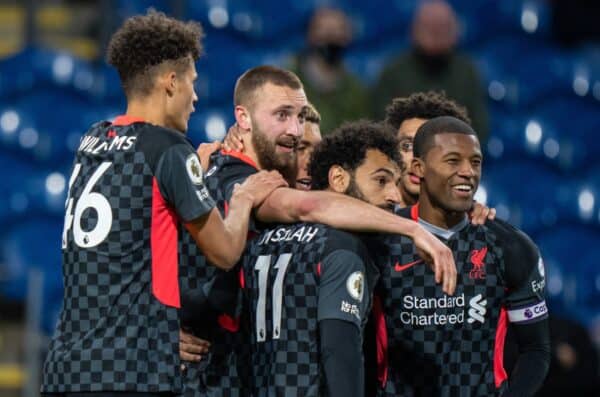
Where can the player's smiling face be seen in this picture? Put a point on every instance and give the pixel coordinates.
(375, 181)
(451, 171)
(308, 141)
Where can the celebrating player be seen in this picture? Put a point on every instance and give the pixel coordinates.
(454, 344)
(134, 180)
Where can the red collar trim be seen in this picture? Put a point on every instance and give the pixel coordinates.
(414, 212)
(126, 120)
(241, 156)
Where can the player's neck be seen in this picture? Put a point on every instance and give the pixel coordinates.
(438, 216)
(148, 110)
(249, 151)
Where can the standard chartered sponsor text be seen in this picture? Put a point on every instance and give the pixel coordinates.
(422, 311)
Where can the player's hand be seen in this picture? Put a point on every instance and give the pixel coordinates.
(257, 187)
(439, 256)
(480, 213)
(192, 348)
(205, 150)
(234, 140)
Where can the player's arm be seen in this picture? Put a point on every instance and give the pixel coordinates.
(344, 300)
(180, 183)
(222, 241)
(347, 213)
(527, 314)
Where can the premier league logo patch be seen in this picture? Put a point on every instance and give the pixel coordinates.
(355, 285)
(194, 170)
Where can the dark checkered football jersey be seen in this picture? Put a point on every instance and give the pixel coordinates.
(432, 344)
(295, 276)
(215, 316)
(132, 183)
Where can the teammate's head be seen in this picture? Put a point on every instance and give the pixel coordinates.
(447, 158)
(310, 138)
(406, 115)
(269, 103)
(359, 159)
(155, 56)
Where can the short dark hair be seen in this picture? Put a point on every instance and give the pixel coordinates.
(423, 105)
(424, 136)
(254, 78)
(311, 114)
(347, 147)
(146, 42)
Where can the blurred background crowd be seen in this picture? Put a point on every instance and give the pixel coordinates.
(528, 72)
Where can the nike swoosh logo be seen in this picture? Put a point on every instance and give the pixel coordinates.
(398, 267)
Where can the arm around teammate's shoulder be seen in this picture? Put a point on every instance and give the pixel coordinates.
(222, 241)
(347, 213)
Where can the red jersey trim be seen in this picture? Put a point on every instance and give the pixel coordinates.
(381, 341)
(126, 120)
(163, 244)
(414, 212)
(229, 323)
(499, 372)
(240, 156)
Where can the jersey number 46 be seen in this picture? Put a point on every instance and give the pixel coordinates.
(87, 200)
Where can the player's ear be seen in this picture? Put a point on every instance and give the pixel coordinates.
(243, 118)
(339, 179)
(417, 166)
(168, 80)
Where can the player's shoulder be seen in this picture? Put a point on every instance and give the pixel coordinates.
(342, 240)
(159, 137)
(230, 164)
(510, 237)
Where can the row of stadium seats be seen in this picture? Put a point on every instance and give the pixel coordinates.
(270, 21)
(514, 85)
(31, 128)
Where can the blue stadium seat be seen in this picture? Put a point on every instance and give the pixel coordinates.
(572, 249)
(527, 193)
(33, 244)
(208, 125)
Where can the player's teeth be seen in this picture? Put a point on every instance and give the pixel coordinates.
(463, 187)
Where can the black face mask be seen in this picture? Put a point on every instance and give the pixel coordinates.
(433, 63)
(332, 53)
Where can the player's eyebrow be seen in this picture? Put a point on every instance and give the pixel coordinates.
(384, 170)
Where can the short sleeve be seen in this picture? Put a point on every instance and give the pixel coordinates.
(525, 275)
(181, 182)
(342, 288)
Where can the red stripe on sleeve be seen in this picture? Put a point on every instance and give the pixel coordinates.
(381, 340)
(499, 372)
(163, 243)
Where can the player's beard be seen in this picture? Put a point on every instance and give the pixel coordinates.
(354, 191)
(269, 159)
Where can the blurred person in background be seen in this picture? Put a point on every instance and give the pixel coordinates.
(339, 95)
(434, 64)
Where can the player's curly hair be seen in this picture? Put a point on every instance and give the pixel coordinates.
(347, 147)
(423, 105)
(146, 42)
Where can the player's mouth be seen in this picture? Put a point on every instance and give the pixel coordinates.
(414, 179)
(287, 144)
(303, 183)
(465, 190)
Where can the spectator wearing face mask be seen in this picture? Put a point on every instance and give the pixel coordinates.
(333, 90)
